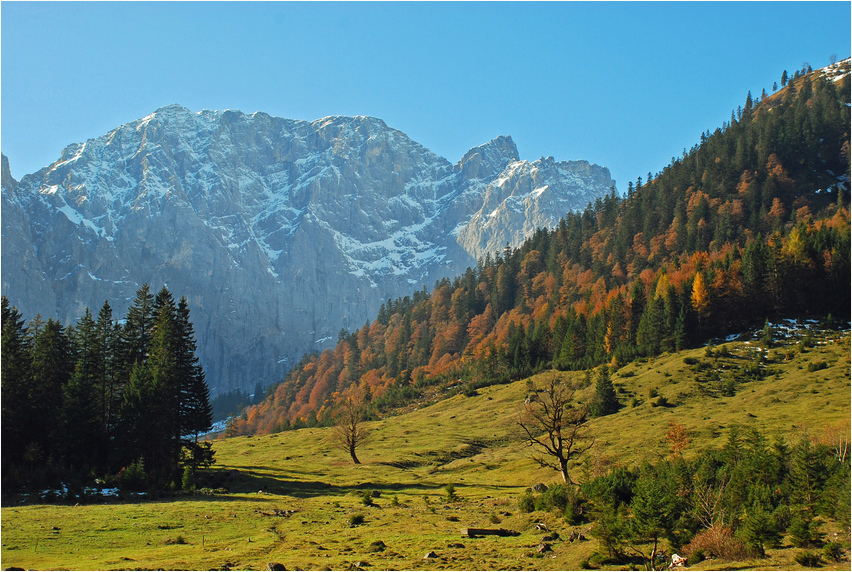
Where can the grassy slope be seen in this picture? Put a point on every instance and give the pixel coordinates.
(473, 443)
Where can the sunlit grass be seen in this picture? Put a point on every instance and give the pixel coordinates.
(473, 443)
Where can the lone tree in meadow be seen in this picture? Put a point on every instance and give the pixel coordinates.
(349, 431)
(555, 426)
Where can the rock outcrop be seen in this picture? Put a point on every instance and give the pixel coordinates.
(279, 232)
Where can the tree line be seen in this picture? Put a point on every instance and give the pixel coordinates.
(751, 222)
(121, 400)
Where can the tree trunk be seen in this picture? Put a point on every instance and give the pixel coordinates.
(563, 464)
(354, 458)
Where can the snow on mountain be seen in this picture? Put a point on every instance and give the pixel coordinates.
(280, 232)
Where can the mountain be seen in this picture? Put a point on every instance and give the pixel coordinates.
(751, 224)
(279, 232)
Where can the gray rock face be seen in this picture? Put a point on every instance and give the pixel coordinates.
(279, 232)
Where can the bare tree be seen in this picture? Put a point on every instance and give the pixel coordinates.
(555, 426)
(349, 431)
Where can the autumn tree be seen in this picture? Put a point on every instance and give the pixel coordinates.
(677, 436)
(555, 426)
(349, 430)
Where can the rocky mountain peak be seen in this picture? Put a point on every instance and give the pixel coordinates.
(7, 181)
(489, 159)
(280, 232)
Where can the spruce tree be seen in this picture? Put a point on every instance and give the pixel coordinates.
(605, 400)
(83, 440)
(195, 411)
(52, 365)
(15, 386)
(107, 337)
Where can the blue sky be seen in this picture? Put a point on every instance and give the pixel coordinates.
(624, 85)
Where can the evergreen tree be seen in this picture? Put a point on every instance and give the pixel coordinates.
(52, 365)
(16, 383)
(84, 440)
(107, 338)
(196, 413)
(136, 334)
(605, 400)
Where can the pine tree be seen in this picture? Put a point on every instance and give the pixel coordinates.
(16, 377)
(136, 334)
(107, 338)
(84, 442)
(166, 385)
(196, 414)
(605, 400)
(52, 365)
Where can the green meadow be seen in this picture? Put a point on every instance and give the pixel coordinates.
(296, 499)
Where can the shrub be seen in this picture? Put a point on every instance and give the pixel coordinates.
(832, 552)
(367, 498)
(395, 501)
(695, 558)
(690, 360)
(718, 541)
(554, 498)
(652, 393)
(816, 366)
(451, 493)
(660, 402)
(188, 481)
(356, 519)
(526, 503)
(808, 559)
(134, 476)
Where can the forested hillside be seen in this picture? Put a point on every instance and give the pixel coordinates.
(119, 401)
(752, 222)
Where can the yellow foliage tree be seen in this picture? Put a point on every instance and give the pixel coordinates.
(700, 295)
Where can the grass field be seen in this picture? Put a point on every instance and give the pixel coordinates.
(293, 496)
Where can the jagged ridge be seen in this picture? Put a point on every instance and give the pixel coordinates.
(280, 232)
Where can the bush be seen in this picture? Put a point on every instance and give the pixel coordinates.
(526, 503)
(134, 477)
(690, 360)
(652, 393)
(660, 402)
(367, 498)
(451, 493)
(816, 366)
(832, 552)
(717, 541)
(808, 559)
(555, 498)
(356, 519)
(188, 481)
(695, 558)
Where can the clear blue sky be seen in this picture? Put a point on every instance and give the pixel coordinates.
(624, 85)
